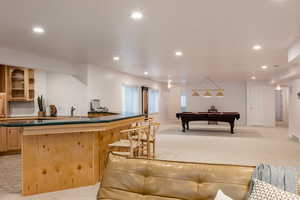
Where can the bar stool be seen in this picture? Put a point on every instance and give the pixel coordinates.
(148, 142)
(146, 122)
(130, 145)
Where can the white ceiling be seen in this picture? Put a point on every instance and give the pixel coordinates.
(216, 36)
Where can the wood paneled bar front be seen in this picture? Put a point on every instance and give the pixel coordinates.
(62, 154)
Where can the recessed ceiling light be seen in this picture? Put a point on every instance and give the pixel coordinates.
(264, 67)
(253, 78)
(146, 73)
(38, 30)
(116, 58)
(136, 15)
(257, 47)
(278, 87)
(169, 84)
(178, 53)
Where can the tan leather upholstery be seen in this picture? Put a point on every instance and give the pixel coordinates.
(140, 179)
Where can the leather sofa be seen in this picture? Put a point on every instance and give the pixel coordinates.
(141, 179)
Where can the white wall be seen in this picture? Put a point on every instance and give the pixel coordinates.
(64, 84)
(294, 51)
(234, 100)
(66, 90)
(260, 104)
(106, 85)
(41, 65)
(294, 108)
(285, 100)
(22, 59)
(284, 107)
(173, 99)
(239, 97)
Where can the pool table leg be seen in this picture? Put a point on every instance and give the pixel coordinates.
(187, 125)
(231, 127)
(183, 126)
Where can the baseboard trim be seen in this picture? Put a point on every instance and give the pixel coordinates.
(294, 136)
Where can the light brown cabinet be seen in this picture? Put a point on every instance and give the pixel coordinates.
(16, 84)
(3, 139)
(3, 78)
(3, 105)
(10, 139)
(20, 84)
(13, 138)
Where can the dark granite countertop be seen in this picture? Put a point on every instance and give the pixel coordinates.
(69, 120)
(113, 113)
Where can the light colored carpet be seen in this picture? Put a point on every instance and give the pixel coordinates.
(209, 144)
(10, 176)
(82, 193)
(215, 144)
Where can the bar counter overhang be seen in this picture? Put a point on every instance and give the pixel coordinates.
(69, 153)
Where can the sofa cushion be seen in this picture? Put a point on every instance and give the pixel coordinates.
(126, 179)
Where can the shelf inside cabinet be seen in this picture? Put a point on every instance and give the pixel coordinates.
(17, 79)
(18, 99)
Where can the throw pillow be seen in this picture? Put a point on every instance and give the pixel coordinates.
(265, 191)
(221, 196)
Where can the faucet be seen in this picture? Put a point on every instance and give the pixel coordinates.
(72, 111)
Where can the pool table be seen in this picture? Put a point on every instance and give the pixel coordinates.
(229, 117)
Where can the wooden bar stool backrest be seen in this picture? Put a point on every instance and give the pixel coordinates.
(146, 122)
(148, 140)
(154, 127)
(134, 136)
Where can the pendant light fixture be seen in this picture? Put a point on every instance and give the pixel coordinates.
(218, 91)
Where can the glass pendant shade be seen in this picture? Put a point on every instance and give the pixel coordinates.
(195, 93)
(207, 94)
(220, 93)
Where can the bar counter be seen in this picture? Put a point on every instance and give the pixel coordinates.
(66, 153)
(45, 121)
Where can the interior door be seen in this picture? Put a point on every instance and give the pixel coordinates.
(278, 105)
(260, 105)
(255, 106)
(145, 103)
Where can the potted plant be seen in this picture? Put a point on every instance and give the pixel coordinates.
(42, 111)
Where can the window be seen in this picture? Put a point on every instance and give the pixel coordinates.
(130, 99)
(183, 103)
(153, 101)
